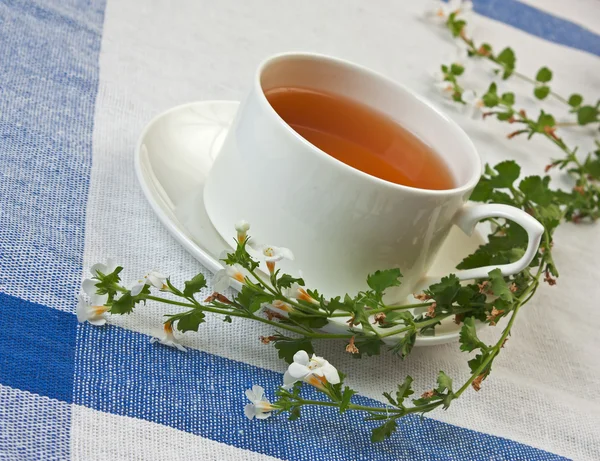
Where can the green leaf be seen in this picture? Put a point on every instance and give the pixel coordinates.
(575, 100)
(369, 345)
(508, 99)
(504, 116)
(405, 344)
(508, 172)
(490, 98)
(587, 114)
(541, 92)
(544, 75)
(287, 347)
(286, 281)
(253, 299)
(384, 431)
(536, 189)
(346, 396)
(123, 305)
(227, 319)
(294, 413)
(499, 285)
(445, 291)
(382, 280)
(457, 69)
(191, 321)
(482, 191)
(477, 259)
(444, 382)
(455, 25)
(468, 336)
(194, 286)
(477, 362)
(545, 119)
(404, 390)
(507, 59)
(389, 398)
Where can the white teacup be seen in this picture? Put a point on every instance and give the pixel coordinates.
(340, 222)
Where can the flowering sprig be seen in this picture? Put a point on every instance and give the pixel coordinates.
(298, 313)
(583, 201)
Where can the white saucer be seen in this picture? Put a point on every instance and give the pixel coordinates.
(172, 160)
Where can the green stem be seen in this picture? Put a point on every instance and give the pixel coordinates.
(493, 352)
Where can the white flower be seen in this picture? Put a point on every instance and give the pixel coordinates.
(167, 338)
(270, 253)
(474, 104)
(438, 13)
(106, 269)
(315, 371)
(295, 291)
(92, 312)
(242, 228)
(260, 407)
(222, 279)
(446, 88)
(155, 279)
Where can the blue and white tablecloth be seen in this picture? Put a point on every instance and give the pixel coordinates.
(79, 79)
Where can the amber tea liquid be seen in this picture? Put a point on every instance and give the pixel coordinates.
(361, 137)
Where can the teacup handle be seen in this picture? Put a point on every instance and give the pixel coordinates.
(468, 217)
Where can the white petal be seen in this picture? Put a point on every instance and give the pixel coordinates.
(99, 267)
(298, 371)
(111, 265)
(301, 357)
(331, 374)
(261, 415)
(287, 253)
(99, 300)
(250, 411)
(288, 379)
(242, 226)
(89, 286)
(251, 395)
(258, 391)
(221, 281)
(97, 322)
(469, 96)
(137, 288)
(81, 311)
(182, 348)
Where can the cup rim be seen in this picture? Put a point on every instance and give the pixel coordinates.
(263, 101)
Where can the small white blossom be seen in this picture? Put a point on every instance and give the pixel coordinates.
(167, 338)
(439, 11)
(242, 228)
(474, 104)
(155, 279)
(314, 370)
(269, 253)
(295, 291)
(92, 312)
(260, 407)
(106, 269)
(222, 279)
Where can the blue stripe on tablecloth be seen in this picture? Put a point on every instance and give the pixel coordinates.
(539, 23)
(37, 348)
(48, 84)
(119, 371)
